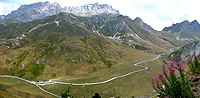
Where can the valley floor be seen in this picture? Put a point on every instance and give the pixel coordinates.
(126, 85)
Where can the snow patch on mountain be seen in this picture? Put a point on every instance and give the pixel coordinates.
(57, 22)
(39, 25)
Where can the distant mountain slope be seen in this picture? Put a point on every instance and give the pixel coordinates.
(140, 22)
(184, 31)
(40, 10)
(187, 51)
(124, 30)
(99, 18)
(32, 49)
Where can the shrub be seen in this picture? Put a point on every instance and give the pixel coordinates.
(54, 75)
(173, 83)
(194, 64)
(66, 94)
(96, 95)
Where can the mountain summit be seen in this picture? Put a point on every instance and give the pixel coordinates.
(40, 10)
(140, 22)
(91, 9)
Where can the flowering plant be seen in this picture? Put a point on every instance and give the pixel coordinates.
(173, 83)
(194, 64)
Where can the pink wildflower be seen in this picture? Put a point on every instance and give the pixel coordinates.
(169, 72)
(160, 75)
(182, 68)
(172, 62)
(173, 69)
(156, 77)
(166, 70)
(159, 84)
(163, 63)
(179, 68)
(177, 55)
(168, 65)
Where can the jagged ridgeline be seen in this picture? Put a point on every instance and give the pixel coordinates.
(42, 9)
(58, 45)
(185, 30)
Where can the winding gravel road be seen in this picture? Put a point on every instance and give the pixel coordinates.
(111, 79)
(81, 84)
(31, 82)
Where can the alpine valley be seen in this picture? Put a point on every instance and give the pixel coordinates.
(82, 45)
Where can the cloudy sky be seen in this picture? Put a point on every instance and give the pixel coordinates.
(157, 13)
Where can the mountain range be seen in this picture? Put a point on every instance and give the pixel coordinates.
(184, 31)
(36, 40)
(40, 10)
(88, 43)
(104, 20)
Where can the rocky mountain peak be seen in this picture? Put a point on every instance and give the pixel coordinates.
(91, 9)
(47, 2)
(195, 22)
(140, 22)
(185, 22)
(138, 18)
(34, 11)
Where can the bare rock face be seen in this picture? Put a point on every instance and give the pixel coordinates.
(40, 10)
(34, 11)
(91, 9)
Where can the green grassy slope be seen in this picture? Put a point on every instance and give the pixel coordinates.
(72, 52)
(14, 88)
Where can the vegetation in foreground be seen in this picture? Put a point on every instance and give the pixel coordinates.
(174, 82)
(194, 64)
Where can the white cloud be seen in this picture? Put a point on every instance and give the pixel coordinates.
(157, 13)
(1, 9)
